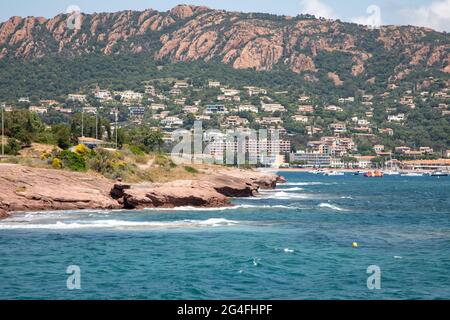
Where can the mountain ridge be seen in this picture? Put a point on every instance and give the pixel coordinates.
(303, 44)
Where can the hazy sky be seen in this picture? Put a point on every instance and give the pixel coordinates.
(429, 13)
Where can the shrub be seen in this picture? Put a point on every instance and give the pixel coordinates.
(136, 150)
(81, 149)
(164, 161)
(191, 170)
(73, 161)
(56, 163)
(110, 164)
(45, 155)
(13, 147)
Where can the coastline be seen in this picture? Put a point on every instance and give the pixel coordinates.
(343, 170)
(36, 189)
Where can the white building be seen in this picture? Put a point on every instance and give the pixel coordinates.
(236, 121)
(214, 84)
(129, 95)
(397, 118)
(190, 109)
(181, 85)
(334, 108)
(77, 97)
(37, 109)
(300, 118)
(255, 91)
(103, 95)
(248, 108)
(172, 121)
(216, 109)
(272, 107)
(230, 92)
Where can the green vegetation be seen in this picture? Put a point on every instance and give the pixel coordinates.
(191, 170)
(73, 161)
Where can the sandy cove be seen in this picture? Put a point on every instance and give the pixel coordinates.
(35, 189)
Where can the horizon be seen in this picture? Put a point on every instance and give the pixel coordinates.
(420, 13)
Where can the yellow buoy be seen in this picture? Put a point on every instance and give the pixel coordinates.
(355, 244)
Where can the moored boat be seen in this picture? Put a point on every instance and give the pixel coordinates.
(412, 174)
(439, 174)
(391, 173)
(334, 173)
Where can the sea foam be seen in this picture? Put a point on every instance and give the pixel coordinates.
(307, 184)
(122, 224)
(284, 189)
(331, 206)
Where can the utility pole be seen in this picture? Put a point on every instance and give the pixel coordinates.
(116, 126)
(96, 124)
(3, 130)
(82, 122)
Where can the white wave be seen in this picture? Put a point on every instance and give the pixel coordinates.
(398, 257)
(348, 197)
(236, 207)
(121, 224)
(58, 215)
(189, 208)
(282, 189)
(305, 184)
(281, 195)
(331, 206)
(287, 250)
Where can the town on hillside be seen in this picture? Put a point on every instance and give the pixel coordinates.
(355, 132)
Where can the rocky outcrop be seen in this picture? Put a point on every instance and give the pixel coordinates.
(3, 214)
(244, 41)
(174, 194)
(213, 191)
(34, 189)
(335, 78)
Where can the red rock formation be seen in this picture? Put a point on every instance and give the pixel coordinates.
(34, 189)
(335, 78)
(3, 214)
(213, 191)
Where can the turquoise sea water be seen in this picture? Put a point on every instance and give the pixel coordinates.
(291, 243)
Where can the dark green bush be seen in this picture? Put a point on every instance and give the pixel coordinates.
(73, 161)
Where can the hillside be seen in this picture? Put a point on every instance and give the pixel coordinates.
(309, 50)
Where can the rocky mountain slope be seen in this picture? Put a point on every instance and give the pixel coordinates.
(302, 44)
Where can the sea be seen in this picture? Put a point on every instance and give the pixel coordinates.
(314, 237)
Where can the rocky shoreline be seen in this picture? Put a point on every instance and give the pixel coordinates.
(34, 189)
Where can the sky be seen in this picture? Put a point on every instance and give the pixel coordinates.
(427, 13)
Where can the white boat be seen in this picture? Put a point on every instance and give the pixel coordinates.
(412, 174)
(391, 173)
(439, 174)
(334, 173)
